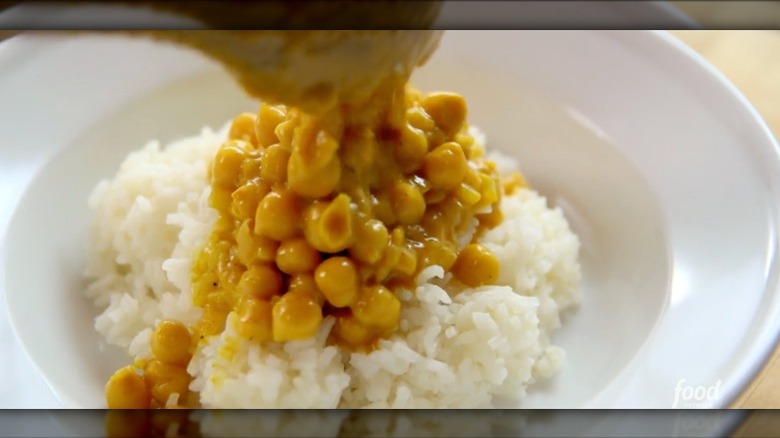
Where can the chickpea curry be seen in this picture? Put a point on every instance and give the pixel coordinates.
(328, 214)
(331, 215)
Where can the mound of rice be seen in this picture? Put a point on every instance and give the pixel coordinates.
(455, 347)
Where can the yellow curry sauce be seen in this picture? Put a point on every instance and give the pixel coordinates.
(328, 213)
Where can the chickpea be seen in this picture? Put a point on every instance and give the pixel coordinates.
(407, 262)
(383, 208)
(295, 316)
(392, 256)
(163, 391)
(377, 307)
(492, 219)
(411, 150)
(254, 321)
(296, 256)
(389, 260)
(407, 202)
(229, 273)
(212, 322)
(446, 166)
(166, 379)
(421, 183)
(313, 182)
(476, 265)
(337, 278)
(448, 110)
(476, 153)
(472, 177)
(220, 199)
(171, 342)
(435, 196)
(273, 165)
(266, 249)
(328, 226)
(126, 390)
(435, 138)
(351, 331)
(222, 300)
(284, 132)
(398, 237)
(246, 198)
(311, 223)
(251, 248)
(419, 119)
(439, 253)
(261, 281)
(268, 118)
(370, 242)
(245, 243)
(466, 141)
(435, 222)
(316, 148)
(514, 182)
(305, 284)
(250, 167)
(278, 215)
(243, 128)
(467, 195)
(227, 166)
(488, 167)
(489, 191)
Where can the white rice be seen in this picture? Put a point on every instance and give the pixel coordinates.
(452, 350)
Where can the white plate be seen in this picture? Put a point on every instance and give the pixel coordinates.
(667, 174)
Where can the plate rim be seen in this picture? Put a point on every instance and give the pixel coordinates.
(747, 373)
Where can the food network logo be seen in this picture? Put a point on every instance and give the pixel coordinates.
(690, 397)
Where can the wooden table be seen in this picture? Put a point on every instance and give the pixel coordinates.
(751, 60)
